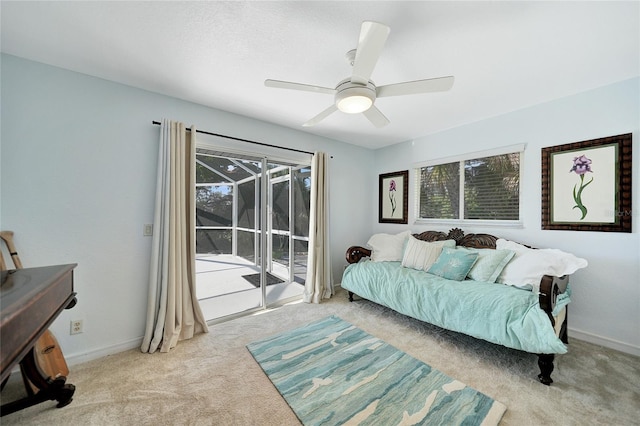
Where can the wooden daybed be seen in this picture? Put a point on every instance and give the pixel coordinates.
(357, 281)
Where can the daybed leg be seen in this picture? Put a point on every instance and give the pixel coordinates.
(545, 362)
(350, 296)
(564, 335)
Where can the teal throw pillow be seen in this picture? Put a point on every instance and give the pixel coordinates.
(453, 264)
(489, 265)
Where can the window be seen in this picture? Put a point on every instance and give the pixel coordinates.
(478, 187)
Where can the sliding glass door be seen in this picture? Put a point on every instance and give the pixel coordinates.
(252, 221)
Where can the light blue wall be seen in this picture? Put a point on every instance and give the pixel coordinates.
(77, 173)
(606, 295)
(78, 182)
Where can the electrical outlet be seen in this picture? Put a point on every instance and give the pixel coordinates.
(147, 230)
(76, 327)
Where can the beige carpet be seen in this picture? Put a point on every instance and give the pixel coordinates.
(213, 380)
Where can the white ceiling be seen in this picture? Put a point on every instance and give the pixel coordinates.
(504, 55)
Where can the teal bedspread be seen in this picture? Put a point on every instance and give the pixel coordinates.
(500, 314)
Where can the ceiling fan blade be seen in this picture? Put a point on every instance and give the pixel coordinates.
(298, 86)
(373, 36)
(324, 114)
(376, 117)
(439, 84)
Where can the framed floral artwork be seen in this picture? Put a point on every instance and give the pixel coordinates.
(586, 186)
(394, 197)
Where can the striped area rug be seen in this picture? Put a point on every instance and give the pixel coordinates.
(333, 373)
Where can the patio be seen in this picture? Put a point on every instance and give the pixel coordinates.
(222, 290)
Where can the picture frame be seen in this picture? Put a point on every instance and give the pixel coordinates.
(393, 197)
(586, 186)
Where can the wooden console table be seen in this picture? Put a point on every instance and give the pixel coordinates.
(30, 300)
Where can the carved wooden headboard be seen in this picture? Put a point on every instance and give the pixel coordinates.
(457, 234)
(355, 253)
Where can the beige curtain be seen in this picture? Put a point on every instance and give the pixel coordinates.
(319, 282)
(173, 312)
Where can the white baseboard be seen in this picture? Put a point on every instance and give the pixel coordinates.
(603, 341)
(74, 359)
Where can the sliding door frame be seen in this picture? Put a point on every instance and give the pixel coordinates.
(262, 228)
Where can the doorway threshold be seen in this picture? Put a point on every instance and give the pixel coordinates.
(256, 311)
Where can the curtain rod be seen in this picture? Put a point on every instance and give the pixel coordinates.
(243, 140)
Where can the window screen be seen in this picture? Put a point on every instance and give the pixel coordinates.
(490, 188)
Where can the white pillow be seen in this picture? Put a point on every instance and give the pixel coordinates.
(529, 265)
(422, 254)
(388, 248)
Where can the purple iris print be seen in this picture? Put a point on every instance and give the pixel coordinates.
(392, 197)
(581, 165)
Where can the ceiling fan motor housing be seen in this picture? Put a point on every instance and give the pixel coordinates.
(354, 98)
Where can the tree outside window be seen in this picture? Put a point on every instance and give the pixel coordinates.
(490, 186)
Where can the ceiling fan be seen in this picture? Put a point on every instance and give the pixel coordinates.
(357, 94)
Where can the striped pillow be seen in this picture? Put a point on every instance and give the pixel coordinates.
(422, 254)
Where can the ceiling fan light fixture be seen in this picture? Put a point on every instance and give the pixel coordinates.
(357, 93)
(354, 100)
